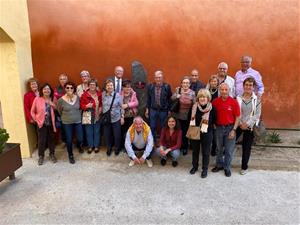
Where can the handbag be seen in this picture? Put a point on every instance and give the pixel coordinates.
(87, 117)
(193, 133)
(106, 117)
(175, 104)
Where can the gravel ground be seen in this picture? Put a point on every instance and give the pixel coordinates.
(107, 191)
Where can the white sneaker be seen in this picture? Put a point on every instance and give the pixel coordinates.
(243, 172)
(149, 163)
(131, 163)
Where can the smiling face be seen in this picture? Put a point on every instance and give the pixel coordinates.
(185, 84)
(245, 63)
(194, 76)
(158, 77)
(248, 87)
(69, 89)
(109, 87)
(224, 90)
(127, 88)
(138, 124)
(63, 79)
(85, 78)
(119, 71)
(203, 100)
(222, 70)
(171, 123)
(92, 86)
(46, 91)
(213, 83)
(34, 86)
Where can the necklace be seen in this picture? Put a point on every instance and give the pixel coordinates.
(212, 91)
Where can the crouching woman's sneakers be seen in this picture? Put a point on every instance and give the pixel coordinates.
(149, 163)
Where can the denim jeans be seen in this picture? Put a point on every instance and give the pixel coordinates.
(69, 132)
(226, 145)
(154, 115)
(93, 134)
(112, 133)
(174, 154)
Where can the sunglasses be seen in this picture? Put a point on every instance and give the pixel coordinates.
(69, 88)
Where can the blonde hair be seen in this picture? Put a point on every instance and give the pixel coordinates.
(203, 93)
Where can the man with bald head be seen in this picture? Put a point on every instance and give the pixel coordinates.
(225, 78)
(196, 84)
(228, 113)
(139, 141)
(245, 72)
(158, 101)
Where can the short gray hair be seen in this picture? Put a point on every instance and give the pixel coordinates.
(223, 64)
(246, 57)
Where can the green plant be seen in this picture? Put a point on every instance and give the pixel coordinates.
(3, 138)
(274, 137)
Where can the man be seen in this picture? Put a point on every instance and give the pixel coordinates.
(85, 77)
(225, 78)
(117, 79)
(139, 140)
(158, 101)
(196, 84)
(245, 72)
(228, 112)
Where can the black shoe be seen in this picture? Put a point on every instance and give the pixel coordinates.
(227, 173)
(163, 162)
(96, 150)
(108, 152)
(193, 170)
(90, 150)
(80, 149)
(41, 161)
(204, 173)
(53, 158)
(117, 152)
(216, 169)
(174, 163)
(213, 153)
(184, 151)
(71, 159)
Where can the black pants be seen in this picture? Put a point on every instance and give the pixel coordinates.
(124, 128)
(112, 134)
(46, 137)
(248, 137)
(214, 143)
(205, 142)
(184, 124)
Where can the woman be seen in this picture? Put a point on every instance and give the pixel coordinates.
(250, 107)
(212, 86)
(112, 130)
(29, 97)
(170, 141)
(130, 104)
(59, 91)
(204, 115)
(186, 98)
(42, 112)
(68, 106)
(91, 104)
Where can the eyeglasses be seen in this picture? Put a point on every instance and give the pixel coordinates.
(69, 88)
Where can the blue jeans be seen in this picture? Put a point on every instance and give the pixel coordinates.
(69, 132)
(226, 145)
(154, 115)
(112, 134)
(93, 134)
(174, 154)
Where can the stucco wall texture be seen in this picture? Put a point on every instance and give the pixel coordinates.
(175, 36)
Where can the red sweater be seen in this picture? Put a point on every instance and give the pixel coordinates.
(86, 98)
(28, 101)
(170, 141)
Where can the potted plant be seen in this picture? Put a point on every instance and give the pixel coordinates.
(10, 156)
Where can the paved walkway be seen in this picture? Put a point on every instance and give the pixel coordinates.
(97, 190)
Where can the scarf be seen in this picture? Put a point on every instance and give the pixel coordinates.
(205, 111)
(146, 131)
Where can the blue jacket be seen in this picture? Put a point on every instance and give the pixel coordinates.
(165, 97)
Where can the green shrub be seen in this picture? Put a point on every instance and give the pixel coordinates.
(3, 138)
(274, 137)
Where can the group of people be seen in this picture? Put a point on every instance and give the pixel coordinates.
(223, 109)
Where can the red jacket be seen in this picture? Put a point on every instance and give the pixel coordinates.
(28, 101)
(87, 98)
(173, 141)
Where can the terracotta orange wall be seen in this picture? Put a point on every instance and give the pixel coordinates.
(175, 36)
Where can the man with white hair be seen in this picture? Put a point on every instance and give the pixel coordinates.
(228, 113)
(139, 140)
(158, 101)
(245, 72)
(225, 78)
(117, 78)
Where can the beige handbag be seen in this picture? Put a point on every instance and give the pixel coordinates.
(87, 117)
(193, 133)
